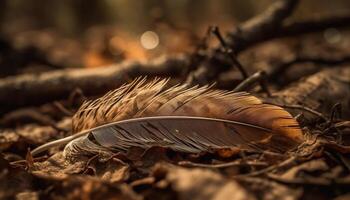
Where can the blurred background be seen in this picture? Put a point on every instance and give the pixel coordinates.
(42, 35)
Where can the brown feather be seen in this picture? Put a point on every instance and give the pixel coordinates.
(141, 100)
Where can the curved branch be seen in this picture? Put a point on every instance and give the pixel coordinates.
(33, 89)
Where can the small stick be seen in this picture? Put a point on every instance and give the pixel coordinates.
(230, 52)
(195, 57)
(223, 165)
(250, 81)
(336, 110)
(271, 168)
(233, 56)
(307, 109)
(76, 93)
(300, 181)
(63, 109)
(23, 162)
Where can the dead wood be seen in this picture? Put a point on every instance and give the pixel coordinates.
(320, 91)
(266, 26)
(317, 169)
(311, 26)
(251, 30)
(241, 40)
(261, 25)
(38, 88)
(35, 89)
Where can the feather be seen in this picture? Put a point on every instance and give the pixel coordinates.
(187, 119)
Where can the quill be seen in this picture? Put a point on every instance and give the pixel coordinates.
(188, 119)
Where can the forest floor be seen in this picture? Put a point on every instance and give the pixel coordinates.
(307, 73)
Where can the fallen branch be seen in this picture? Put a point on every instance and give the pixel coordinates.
(311, 26)
(26, 90)
(290, 161)
(261, 26)
(264, 23)
(251, 81)
(266, 26)
(34, 89)
(223, 165)
(304, 108)
(230, 52)
(241, 39)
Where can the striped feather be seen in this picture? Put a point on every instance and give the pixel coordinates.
(188, 119)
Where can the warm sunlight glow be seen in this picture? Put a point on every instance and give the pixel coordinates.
(149, 40)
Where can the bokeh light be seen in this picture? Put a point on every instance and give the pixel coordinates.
(149, 40)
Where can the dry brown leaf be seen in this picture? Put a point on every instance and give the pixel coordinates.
(56, 166)
(198, 184)
(112, 170)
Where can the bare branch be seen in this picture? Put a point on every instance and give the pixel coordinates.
(312, 25)
(34, 89)
(268, 21)
(245, 34)
(268, 25)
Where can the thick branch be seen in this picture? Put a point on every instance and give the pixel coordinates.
(268, 25)
(268, 21)
(312, 25)
(262, 24)
(35, 89)
(241, 40)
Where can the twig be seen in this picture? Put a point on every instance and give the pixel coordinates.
(345, 161)
(223, 165)
(29, 161)
(23, 162)
(63, 109)
(301, 181)
(27, 90)
(75, 94)
(305, 108)
(246, 33)
(336, 110)
(330, 125)
(250, 81)
(198, 55)
(86, 167)
(335, 146)
(236, 63)
(269, 169)
(230, 52)
(24, 90)
(269, 25)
